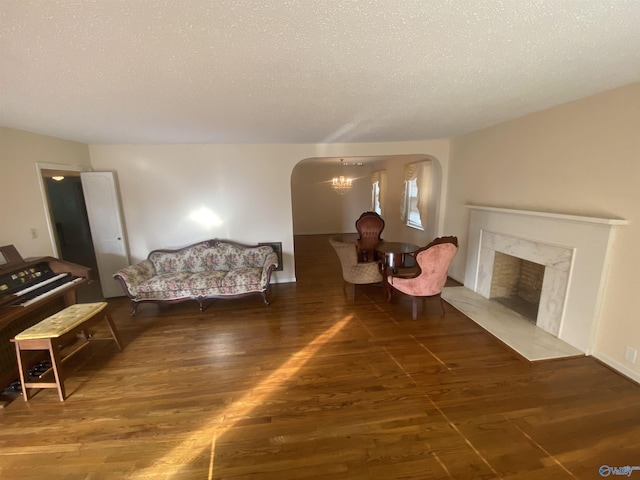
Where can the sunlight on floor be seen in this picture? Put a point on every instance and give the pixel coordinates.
(192, 446)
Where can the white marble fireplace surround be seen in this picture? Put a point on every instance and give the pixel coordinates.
(573, 250)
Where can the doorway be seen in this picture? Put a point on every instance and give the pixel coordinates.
(70, 227)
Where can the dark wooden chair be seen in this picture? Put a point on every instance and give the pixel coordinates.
(369, 226)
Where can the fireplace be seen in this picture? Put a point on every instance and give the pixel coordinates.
(517, 284)
(556, 260)
(571, 252)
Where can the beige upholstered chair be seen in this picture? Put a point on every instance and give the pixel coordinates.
(369, 226)
(433, 261)
(354, 272)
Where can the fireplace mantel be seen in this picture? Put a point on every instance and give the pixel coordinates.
(573, 248)
(557, 216)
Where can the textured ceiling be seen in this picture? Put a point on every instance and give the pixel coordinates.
(302, 71)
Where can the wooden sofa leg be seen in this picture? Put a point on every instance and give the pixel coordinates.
(414, 309)
(264, 297)
(134, 308)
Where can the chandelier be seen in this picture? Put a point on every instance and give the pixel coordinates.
(341, 184)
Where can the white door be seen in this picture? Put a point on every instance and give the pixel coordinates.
(105, 222)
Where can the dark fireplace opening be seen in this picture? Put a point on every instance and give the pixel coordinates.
(517, 284)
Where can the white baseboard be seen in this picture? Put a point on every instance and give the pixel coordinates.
(627, 372)
(275, 279)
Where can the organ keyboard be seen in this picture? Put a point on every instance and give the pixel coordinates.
(30, 290)
(60, 283)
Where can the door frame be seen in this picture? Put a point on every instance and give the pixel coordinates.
(40, 166)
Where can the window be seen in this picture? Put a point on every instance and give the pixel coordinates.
(378, 182)
(417, 189)
(411, 203)
(375, 197)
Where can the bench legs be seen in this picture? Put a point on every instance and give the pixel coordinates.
(112, 329)
(56, 362)
(51, 345)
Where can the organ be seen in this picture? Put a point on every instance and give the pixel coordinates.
(31, 289)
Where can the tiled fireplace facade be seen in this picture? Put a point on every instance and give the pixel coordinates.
(557, 262)
(573, 251)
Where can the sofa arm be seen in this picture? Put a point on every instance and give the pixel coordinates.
(270, 263)
(131, 277)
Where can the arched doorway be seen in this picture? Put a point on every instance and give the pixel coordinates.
(318, 210)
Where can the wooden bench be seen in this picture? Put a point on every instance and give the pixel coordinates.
(58, 330)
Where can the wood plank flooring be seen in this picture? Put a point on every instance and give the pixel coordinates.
(316, 386)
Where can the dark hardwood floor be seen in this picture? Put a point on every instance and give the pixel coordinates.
(316, 386)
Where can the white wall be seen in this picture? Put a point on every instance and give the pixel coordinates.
(21, 202)
(580, 158)
(247, 186)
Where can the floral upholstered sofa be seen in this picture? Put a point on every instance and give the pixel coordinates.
(210, 269)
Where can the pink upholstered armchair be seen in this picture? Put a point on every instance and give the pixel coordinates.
(369, 226)
(433, 261)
